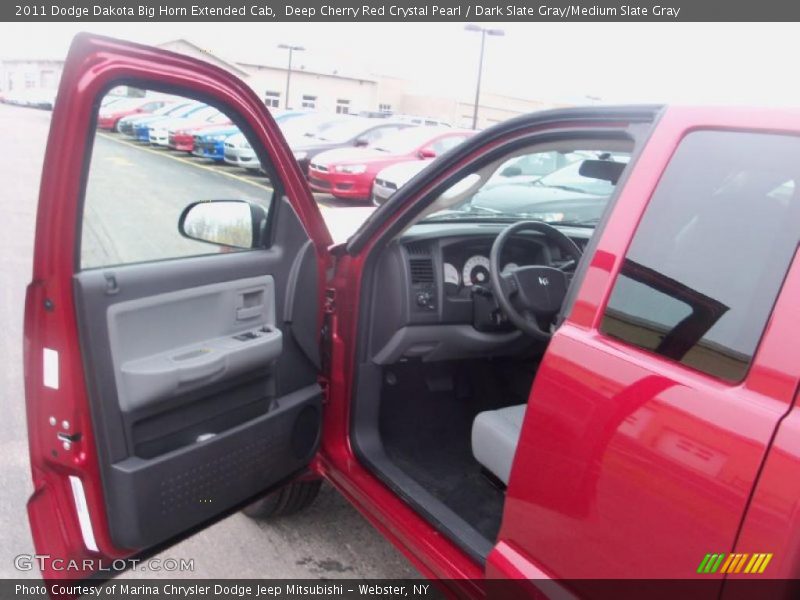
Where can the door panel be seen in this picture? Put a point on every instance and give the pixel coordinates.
(162, 394)
(191, 412)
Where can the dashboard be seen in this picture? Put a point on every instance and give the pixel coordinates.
(465, 262)
(432, 295)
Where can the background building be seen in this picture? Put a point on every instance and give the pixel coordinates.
(22, 74)
(316, 87)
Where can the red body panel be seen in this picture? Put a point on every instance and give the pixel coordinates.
(630, 464)
(92, 66)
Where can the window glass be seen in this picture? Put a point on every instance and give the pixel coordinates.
(142, 177)
(272, 99)
(309, 102)
(711, 252)
(556, 186)
(343, 107)
(442, 145)
(379, 133)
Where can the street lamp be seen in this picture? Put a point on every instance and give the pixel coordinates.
(291, 50)
(484, 31)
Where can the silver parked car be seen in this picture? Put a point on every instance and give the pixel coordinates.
(239, 152)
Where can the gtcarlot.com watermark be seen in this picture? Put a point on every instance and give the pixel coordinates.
(29, 562)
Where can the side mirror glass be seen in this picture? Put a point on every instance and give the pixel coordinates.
(230, 223)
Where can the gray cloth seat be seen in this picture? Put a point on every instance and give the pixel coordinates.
(495, 434)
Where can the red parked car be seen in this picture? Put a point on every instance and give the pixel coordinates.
(182, 138)
(504, 399)
(110, 115)
(349, 173)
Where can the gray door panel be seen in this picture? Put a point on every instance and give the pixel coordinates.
(201, 379)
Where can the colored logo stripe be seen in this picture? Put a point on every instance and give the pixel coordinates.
(735, 563)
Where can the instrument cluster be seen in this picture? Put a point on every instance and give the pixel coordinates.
(467, 265)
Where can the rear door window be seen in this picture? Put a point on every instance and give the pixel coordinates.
(712, 250)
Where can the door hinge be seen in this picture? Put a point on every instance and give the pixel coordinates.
(330, 300)
(326, 332)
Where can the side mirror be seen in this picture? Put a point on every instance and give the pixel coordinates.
(230, 223)
(361, 142)
(426, 153)
(511, 172)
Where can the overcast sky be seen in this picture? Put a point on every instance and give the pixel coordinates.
(685, 63)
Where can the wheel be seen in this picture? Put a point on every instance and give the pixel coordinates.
(288, 500)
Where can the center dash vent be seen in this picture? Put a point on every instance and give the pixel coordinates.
(418, 249)
(421, 270)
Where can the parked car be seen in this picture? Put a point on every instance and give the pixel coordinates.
(238, 152)
(181, 137)
(417, 120)
(302, 129)
(349, 173)
(210, 142)
(158, 132)
(128, 124)
(110, 115)
(521, 169)
(547, 410)
(141, 129)
(34, 98)
(575, 193)
(351, 132)
(42, 98)
(392, 178)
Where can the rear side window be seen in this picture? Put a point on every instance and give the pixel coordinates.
(710, 255)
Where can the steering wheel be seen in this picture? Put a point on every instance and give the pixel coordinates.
(532, 295)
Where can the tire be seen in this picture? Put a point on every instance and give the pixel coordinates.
(288, 500)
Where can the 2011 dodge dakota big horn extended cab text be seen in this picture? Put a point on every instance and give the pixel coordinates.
(591, 381)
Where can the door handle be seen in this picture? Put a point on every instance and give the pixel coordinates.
(249, 312)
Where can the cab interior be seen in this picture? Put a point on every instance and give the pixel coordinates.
(444, 376)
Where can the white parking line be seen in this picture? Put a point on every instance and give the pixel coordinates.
(341, 221)
(166, 154)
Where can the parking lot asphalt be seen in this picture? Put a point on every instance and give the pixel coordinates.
(330, 540)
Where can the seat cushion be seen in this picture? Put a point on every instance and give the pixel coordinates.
(495, 434)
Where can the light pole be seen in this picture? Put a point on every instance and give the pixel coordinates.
(291, 50)
(484, 31)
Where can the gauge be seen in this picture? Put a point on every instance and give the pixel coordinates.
(476, 270)
(510, 267)
(451, 274)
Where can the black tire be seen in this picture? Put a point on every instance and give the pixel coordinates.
(288, 500)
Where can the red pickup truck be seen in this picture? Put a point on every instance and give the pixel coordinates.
(594, 382)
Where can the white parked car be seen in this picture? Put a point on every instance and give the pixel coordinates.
(519, 169)
(240, 153)
(391, 179)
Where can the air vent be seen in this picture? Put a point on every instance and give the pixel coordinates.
(418, 249)
(421, 270)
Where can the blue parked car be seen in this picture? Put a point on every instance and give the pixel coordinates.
(210, 143)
